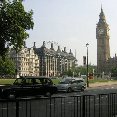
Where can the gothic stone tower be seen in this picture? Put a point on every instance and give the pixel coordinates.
(103, 48)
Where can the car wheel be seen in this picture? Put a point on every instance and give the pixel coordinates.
(48, 94)
(69, 90)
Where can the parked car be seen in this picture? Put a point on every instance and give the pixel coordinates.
(71, 84)
(29, 86)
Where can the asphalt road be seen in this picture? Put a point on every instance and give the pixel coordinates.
(92, 90)
(64, 105)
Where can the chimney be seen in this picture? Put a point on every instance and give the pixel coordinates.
(52, 46)
(64, 49)
(43, 44)
(58, 49)
(34, 46)
(70, 51)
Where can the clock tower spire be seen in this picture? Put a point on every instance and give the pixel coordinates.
(103, 47)
(102, 16)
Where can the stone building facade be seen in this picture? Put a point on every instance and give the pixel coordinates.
(104, 61)
(54, 62)
(26, 61)
(42, 61)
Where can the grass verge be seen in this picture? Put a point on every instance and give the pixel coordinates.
(6, 81)
(55, 81)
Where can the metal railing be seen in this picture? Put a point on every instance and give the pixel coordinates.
(101, 105)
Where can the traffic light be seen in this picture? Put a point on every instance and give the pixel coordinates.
(84, 60)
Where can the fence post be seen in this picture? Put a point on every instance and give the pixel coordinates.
(50, 106)
(83, 106)
(17, 108)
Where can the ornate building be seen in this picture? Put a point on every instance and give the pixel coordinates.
(104, 62)
(103, 47)
(54, 62)
(42, 61)
(27, 62)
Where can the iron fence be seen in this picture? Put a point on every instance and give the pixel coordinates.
(102, 105)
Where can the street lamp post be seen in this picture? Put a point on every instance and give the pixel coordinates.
(87, 65)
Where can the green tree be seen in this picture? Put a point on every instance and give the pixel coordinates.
(14, 22)
(114, 72)
(71, 72)
(7, 67)
(83, 69)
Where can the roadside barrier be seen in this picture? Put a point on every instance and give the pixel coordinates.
(101, 105)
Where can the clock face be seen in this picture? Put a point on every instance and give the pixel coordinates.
(101, 31)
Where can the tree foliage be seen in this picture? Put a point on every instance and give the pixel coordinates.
(14, 22)
(7, 67)
(83, 69)
(114, 72)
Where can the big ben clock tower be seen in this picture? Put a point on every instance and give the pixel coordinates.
(103, 47)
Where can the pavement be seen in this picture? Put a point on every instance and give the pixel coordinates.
(99, 84)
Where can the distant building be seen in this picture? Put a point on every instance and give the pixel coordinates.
(54, 62)
(26, 61)
(104, 62)
(42, 61)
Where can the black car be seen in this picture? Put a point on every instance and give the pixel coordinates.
(29, 86)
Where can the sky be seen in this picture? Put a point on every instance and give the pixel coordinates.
(71, 24)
